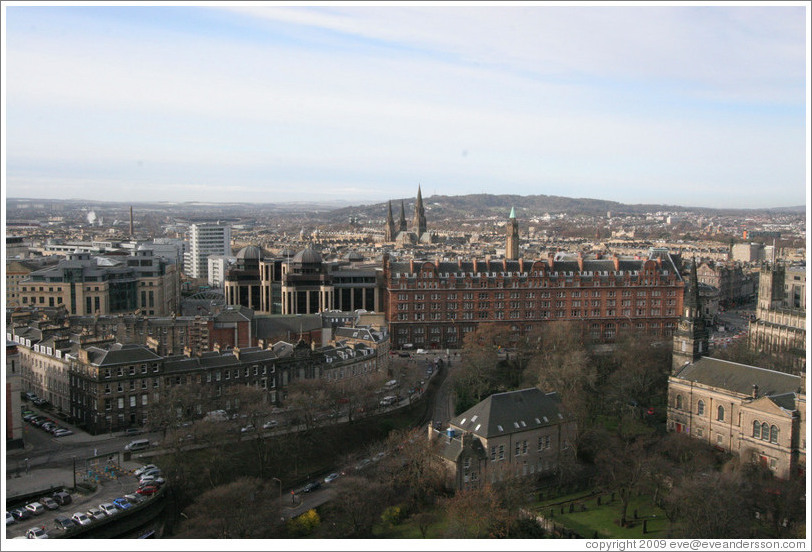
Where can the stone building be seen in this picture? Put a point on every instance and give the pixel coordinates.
(14, 421)
(780, 320)
(517, 433)
(734, 285)
(754, 413)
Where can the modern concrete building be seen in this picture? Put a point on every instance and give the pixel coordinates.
(105, 285)
(205, 240)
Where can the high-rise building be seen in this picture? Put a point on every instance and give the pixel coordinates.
(206, 240)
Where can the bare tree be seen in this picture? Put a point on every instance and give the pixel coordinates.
(245, 508)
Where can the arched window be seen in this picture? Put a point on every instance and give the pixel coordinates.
(757, 429)
(700, 408)
(773, 434)
(679, 402)
(720, 413)
(765, 431)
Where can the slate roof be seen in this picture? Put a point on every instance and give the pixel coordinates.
(120, 354)
(511, 412)
(739, 378)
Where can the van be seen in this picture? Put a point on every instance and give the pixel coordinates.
(138, 444)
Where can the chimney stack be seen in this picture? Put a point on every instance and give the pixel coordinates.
(755, 391)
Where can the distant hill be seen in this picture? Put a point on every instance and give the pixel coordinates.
(485, 205)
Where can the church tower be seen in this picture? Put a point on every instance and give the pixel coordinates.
(512, 242)
(419, 221)
(691, 337)
(389, 231)
(402, 221)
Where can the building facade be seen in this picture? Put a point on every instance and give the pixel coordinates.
(512, 434)
(14, 420)
(780, 324)
(205, 240)
(87, 285)
(433, 304)
(753, 413)
(734, 285)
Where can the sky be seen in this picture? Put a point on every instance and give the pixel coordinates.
(693, 105)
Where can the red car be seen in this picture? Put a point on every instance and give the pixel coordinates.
(147, 490)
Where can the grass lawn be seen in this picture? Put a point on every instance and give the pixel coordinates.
(602, 518)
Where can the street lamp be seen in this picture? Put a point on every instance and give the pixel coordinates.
(277, 480)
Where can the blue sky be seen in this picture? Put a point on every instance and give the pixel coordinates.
(687, 105)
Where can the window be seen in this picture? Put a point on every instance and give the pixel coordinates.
(678, 404)
(720, 414)
(501, 452)
(765, 431)
(756, 430)
(132, 401)
(773, 434)
(700, 408)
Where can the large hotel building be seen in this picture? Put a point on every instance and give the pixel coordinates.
(433, 304)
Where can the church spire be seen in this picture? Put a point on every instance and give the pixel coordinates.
(390, 225)
(691, 337)
(419, 221)
(402, 221)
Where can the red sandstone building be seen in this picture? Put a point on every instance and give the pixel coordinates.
(433, 304)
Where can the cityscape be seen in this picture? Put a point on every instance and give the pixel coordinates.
(285, 321)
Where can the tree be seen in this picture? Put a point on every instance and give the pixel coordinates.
(412, 467)
(357, 506)
(471, 513)
(245, 508)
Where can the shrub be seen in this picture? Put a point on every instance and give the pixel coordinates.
(304, 524)
(392, 515)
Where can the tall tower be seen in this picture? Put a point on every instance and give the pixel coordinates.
(131, 222)
(771, 286)
(691, 337)
(512, 242)
(419, 221)
(402, 221)
(390, 225)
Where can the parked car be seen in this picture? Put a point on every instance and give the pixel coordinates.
(249, 427)
(134, 498)
(64, 523)
(10, 519)
(147, 490)
(140, 471)
(81, 519)
(133, 431)
(35, 508)
(154, 472)
(28, 415)
(49, 503)
(146, 480)
(122, 503)
(62, 432)
(270, 424)
(36, 533)
(330, 478)
(30, 396)
(311, 486)
(378, 456)
(363, 464)
(108, 509)
(21, 514)
(63, 498)
(95, 513)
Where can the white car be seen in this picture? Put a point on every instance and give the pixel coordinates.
(95, 513)
(108, 508)
(330, 478)
(36, 533)
(142, 469)
(35, 508)
(81, 518)
(269, 424)
(10, 519)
